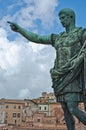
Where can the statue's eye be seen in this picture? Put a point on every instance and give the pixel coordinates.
(62, 17)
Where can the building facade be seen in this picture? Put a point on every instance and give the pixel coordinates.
(14, 112)
(43, 112)
(1, 113)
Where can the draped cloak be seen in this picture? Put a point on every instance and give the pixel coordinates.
(65, 80)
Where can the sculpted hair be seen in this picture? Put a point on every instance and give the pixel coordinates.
(68, 12)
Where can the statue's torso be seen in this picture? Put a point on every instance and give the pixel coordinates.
(66, 45)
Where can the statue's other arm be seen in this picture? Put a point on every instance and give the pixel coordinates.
(30, 35)
(80, 56)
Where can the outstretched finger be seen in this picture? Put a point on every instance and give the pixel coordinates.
(8, 22)
(11, 23)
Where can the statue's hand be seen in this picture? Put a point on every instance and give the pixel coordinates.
(71, 65)
(74, 64)
(13, 26)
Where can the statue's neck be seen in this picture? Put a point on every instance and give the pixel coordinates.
(70, 28)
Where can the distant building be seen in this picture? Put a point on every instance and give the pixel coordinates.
(29, 109)
(49, 96)
(43, 112)
(14, 112)
(47, 104)
(1, 113)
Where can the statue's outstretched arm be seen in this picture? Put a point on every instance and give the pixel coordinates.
(30, 35)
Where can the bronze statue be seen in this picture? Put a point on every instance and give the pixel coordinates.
(69, 71)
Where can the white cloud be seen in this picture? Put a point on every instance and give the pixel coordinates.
(24, 66)
(24, 93)
(45, 10)
(35, 9)
(8, 52)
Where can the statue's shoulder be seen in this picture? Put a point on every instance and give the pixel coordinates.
(80, 32)
(57, 36)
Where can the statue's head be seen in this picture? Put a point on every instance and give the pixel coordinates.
(68, 12)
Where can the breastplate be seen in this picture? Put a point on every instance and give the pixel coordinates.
(66, 45)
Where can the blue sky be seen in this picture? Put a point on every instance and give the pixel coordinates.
(79, 8)
(24, 66)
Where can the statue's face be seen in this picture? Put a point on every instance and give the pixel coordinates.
(65, 20)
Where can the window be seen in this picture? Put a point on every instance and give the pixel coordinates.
(45, 108)
(39, 108)
(19, 107)
(6, 115)
(24, 111)
(38, 120)
(14, 114)
(15, 121)
(18, 115)
(14, 107)
(7, 106)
